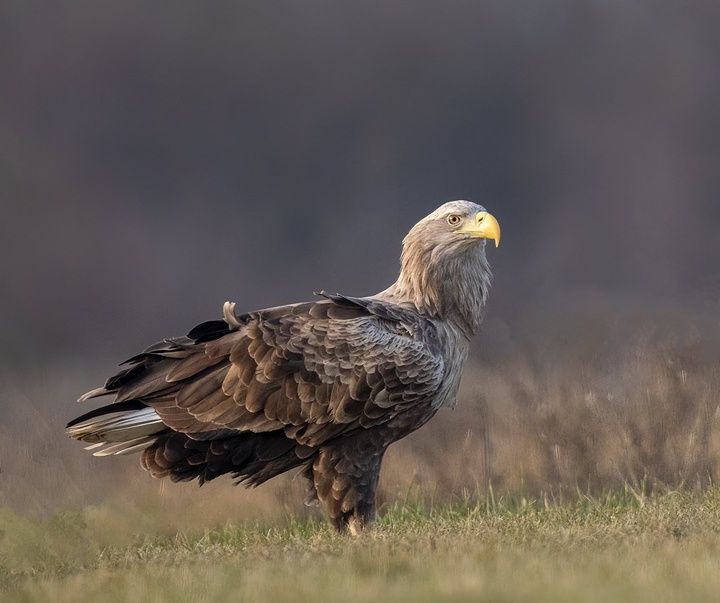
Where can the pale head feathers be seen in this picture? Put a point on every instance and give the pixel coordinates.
(444, 271)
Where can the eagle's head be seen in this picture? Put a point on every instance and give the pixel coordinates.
(444, 271)
(454, 224)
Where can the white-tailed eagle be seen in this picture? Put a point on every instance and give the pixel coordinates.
(325, 386)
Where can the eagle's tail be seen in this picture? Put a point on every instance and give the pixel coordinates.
(121, 428)
(131, 426)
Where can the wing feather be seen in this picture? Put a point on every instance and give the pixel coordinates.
(192, 365)
(315, 370)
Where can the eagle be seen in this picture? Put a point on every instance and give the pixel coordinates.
(324, 386)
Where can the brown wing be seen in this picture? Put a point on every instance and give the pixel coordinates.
(315, 370)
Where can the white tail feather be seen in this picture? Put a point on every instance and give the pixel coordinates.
(127, 429)
(137, 447)
(120, 448)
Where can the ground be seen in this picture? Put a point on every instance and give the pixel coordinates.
(624, 546)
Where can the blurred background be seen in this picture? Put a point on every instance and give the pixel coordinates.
(158, 159)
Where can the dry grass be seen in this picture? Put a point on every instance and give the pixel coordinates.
(649, 416)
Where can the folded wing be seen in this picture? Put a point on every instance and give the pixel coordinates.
(304, 374)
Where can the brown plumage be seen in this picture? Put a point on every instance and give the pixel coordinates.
(325, 386)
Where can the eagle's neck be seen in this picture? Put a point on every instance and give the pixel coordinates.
(445, 284)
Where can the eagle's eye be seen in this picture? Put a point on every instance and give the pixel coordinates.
(453, 220)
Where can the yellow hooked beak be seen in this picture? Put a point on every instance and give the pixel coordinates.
(485, 227)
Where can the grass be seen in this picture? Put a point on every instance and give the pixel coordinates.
(640, 424)
(623, 546)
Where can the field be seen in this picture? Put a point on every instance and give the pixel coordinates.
(623, 547)
(596, 482)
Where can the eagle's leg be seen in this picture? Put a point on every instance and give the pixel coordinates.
(345, 477)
